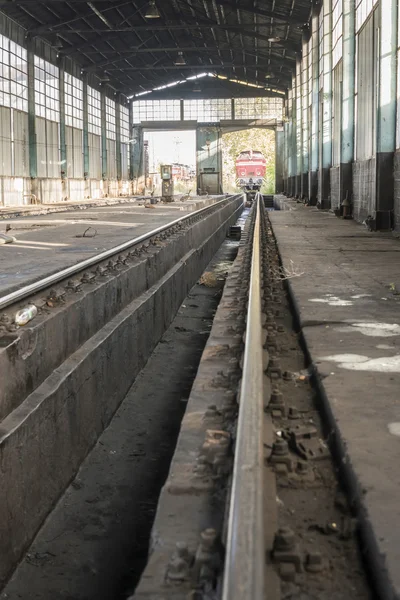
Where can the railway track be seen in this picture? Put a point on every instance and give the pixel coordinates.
(107, 260)
(252, 508)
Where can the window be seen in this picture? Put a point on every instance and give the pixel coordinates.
(363, 10)
(337, 32)
(94, 111)
(208, 111)
(73, 101)
(47, 103)
(156, 110)
(258, 108)
(124, 124)
(13, 75)
(321, 46)
(110, 119)
(366, 99)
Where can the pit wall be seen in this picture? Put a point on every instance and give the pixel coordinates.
(396, 168)
(46, 437)
(22, 191)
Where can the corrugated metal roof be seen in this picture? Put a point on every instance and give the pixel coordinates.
(114, 39)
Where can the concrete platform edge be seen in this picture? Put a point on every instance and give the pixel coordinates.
(374, 559)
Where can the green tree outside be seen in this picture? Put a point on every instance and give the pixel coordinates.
(235, 142)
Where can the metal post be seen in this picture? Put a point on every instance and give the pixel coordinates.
(32, 117)
(314, 142)
(118, 148)
(348, 99)
(279, 159)
(86, 163)
(131, 139)
(63, 143)
(104, 173)
(305, 114)
(326, 133)
(299, 127)
(386, 121)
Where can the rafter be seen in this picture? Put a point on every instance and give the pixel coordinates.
(261, 12)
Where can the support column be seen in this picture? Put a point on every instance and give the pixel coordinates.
(279, 159)
(348, 99)
(85, 136)
(32, 118)
(209, 160)
(299, 132)
(104, 173)
(326, 134)
(136, 166)
(63, 141)
(118, 148)
(290, 137)
(305, 115)
(314, 141)
(386, 121)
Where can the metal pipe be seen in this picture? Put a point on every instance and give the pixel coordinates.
(245, 551)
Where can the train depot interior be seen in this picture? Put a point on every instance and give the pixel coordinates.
(199, 299)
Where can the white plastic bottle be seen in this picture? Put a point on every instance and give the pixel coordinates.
(25, 315)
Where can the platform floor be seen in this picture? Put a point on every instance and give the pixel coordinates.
(346, 284)
(51, 242)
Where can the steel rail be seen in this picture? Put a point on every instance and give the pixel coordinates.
(37, 286)
(245, 550)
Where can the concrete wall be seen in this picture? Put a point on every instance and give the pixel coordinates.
(335, 187)
(106, 342)
(364, 188)
(396, 168)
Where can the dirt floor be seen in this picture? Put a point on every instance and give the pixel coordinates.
(94, 544)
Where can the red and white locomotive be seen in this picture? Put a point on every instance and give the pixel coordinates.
(250, 170)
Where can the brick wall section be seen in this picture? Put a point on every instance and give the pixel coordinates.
(396, 168)
(364, 184)
(335, 187)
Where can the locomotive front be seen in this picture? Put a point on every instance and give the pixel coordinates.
(250, 170)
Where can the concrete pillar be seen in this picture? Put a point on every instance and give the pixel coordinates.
(209, 159)
(326, 104)
(63, 141)
(305, 115)
(32, 118)
(386, 118)
(131, 145)
(85, 136)
(299, 129)
(279, 160)
(136, 166)
(314, 141)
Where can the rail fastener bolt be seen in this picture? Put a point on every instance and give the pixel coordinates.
(280, 456)
(286, 550)
(178, 567)
(314, 562)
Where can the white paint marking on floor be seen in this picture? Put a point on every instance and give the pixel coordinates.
(385, 347)
(357, 362)
(372, 329)
(23, 247)
(361, 296)
(51, 244)
(332, 301)
(394, 428)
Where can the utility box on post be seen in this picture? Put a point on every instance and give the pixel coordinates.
(167, 190)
